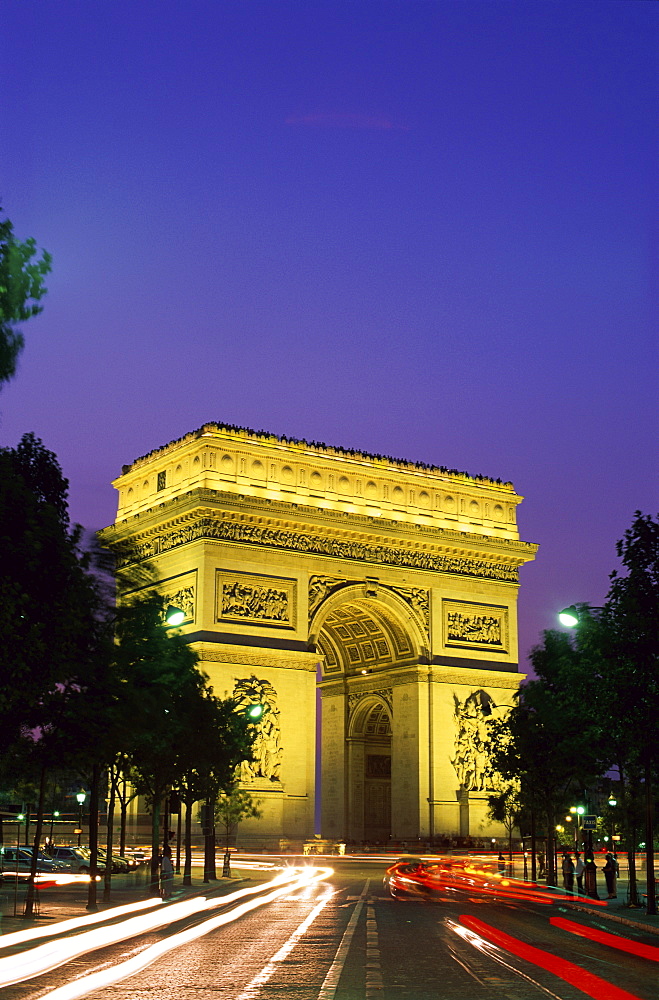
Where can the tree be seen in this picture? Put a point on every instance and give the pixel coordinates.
(545, 745)
(49, 614)
(629, 651)
(208, 765)
(21, 288)
(159, 677)
(232, 806)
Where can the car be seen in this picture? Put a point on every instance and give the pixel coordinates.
(13, 859)
(75, 859)
(119, 865)
(413, 878)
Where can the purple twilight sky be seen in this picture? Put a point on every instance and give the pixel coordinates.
(423, 229)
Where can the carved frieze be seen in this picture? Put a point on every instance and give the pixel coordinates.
(471, 761)
(475, 626)
(259, 600)
(298, 540)
(319, 588)
(266, 749)
(185, 600)
(418, 600)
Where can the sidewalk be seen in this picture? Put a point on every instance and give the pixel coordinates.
(615, 910)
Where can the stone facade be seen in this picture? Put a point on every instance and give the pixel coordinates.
(390, 586)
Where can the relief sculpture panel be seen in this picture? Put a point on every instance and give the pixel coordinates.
(266, 751)
(471, 761)
(475, 626)
(259, 600)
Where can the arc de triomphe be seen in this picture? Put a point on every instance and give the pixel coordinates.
(389, 586)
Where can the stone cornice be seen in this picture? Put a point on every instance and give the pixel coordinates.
(209, 653)
(442, 558)
(344, 536)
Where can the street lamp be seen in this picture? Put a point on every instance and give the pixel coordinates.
(569, 616)
(81, 796)
(613, 802)
(174, 616)
(577, 812)
(52, 817)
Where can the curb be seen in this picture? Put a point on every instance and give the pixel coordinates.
(628, 921)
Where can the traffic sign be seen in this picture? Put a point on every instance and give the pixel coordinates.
(589, 822)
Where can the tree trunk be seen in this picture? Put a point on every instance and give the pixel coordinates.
(187, 868)
(649, 843)
(107, 882)
(31, 885)
(93, 839)
(154, 886)
(551, 850)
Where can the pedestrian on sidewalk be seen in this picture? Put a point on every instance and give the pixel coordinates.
(166, 873)
(501, 864)
(541, 864)
(579, 869)
(610, 874)
(568, 873)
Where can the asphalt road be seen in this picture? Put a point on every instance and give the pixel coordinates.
(344, 938)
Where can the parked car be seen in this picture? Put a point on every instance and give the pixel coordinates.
(76, 859)
(13, 859)
(119, 864)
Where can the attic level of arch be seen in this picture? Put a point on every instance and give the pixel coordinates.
(329, 483)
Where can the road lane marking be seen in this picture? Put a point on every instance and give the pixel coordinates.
(253, 987)
(590, 984)
(373, 970)
(610, 940)
(331, 981)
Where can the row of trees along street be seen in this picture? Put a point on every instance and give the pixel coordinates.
(592, 712)
(89, 685)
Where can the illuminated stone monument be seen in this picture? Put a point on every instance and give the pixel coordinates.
(389, 585)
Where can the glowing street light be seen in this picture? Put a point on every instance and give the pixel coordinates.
(81, 796)
(569, 616)
(174, 616)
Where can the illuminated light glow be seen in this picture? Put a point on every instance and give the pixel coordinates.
(581, 979)
(569, 616)
(44, 958)
(610, 940)
(252, 988)
(106, 977)
(174, 616)
(64, 926)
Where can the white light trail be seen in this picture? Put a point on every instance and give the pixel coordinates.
(57, 953)
(64, 926)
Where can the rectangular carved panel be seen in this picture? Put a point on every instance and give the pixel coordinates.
(475, 626)
(256, 600)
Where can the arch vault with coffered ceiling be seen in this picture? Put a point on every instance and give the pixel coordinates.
(389, 586)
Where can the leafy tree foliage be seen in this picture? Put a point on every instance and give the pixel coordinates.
(546, 744)
(232, 806)
(49, 605)
(21, 288)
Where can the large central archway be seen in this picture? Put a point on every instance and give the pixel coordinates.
(370, 638)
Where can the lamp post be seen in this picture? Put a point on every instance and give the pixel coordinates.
(613, 802)
(50, 836)
(81, 796)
